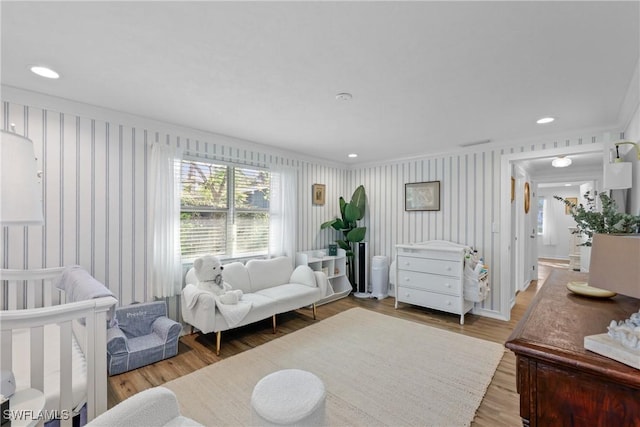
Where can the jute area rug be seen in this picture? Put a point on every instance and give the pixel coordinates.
(378, 371)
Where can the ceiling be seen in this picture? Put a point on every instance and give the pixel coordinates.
(425, 77)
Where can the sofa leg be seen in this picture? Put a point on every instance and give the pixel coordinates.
(274, 323)
(218, 337)
(314, 311)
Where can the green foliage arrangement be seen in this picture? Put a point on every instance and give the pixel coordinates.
(350, 214)
(607, 221)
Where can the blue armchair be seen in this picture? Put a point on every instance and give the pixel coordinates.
(144, 335)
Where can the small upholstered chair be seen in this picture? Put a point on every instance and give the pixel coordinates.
(156, 406)
(144, 335)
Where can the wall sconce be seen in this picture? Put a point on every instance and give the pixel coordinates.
(20, 199)
(634, 144)
(617, 176)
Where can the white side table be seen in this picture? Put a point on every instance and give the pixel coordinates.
(26, 407)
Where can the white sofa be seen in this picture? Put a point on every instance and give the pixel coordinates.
(272, 286)
(156, 406)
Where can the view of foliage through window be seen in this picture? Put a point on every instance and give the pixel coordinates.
(224, 210)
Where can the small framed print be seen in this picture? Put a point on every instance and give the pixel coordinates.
(568, 210)
(513, 189)
(422, 196)
(317, 191)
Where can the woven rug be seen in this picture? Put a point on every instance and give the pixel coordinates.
(378, 371)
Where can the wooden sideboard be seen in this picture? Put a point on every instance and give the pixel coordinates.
(560, 382)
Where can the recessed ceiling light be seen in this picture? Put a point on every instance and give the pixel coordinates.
(545, 120)
(353, 155)
(344, 96)
(561, 162)
(44, 72)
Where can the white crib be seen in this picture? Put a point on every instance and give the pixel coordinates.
(29, 299)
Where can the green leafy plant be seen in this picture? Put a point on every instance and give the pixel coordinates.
(350, 214)
(589, 221)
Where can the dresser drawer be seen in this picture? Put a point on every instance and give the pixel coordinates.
(429, 282)
(449, 303)
(429, 265)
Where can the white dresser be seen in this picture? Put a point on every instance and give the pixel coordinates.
(431, 274)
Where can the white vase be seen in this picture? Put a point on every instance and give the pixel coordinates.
(585, 258)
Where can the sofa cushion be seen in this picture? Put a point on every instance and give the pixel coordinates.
(291, 296)
(266, 273)
(303, 274)
(237, 276)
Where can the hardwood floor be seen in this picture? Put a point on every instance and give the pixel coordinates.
(500, 406)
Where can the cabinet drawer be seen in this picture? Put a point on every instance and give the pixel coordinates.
(449, 303)
(429, 282)
(428, 265)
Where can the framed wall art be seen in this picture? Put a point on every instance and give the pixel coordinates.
(317, 191)
(568, 210)
(422, 196)
(527, 197)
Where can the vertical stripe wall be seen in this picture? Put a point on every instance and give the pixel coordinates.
(469, 204)
(94, 188)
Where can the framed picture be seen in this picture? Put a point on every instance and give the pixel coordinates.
(317, 191)
(513, 189)
(422, 196)
(568, 210)
(527, 197)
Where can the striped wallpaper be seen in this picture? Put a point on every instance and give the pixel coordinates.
(94, 190)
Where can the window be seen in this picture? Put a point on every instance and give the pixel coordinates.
(224, 210)
(541, 203)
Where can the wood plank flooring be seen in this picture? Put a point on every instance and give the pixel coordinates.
(500, 406)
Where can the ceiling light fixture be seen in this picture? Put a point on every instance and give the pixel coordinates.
(44, 72)
(353, 155)
(545, 120)
(344, 96)
(561, 162)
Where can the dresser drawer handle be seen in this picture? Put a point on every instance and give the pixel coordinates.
(448, 285)
(406, 279)
(407, 263)
(448, 302)
(448, 268)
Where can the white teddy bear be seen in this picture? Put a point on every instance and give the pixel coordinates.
(208, 270)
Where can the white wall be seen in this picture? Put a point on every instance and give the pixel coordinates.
(558, 246)
(632, 133)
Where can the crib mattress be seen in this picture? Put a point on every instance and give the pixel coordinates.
(21, 366)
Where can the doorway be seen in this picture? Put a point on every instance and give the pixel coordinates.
(514, 258)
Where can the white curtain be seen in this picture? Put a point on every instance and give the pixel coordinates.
(283, 212)
(165, 270)
(551, 214)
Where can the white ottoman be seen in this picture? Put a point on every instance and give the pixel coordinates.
(290, 397)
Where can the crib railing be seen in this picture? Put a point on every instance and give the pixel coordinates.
(33, 303)
(23, 289)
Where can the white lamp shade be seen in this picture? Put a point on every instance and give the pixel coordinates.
(20, 200)
(617, 176)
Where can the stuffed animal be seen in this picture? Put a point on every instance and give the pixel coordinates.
(208, 270)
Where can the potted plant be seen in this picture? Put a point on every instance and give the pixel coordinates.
(590, 221)
(350, 214)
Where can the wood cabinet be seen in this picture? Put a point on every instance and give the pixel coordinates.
(335, 267)
(559, 381)
(431, 274)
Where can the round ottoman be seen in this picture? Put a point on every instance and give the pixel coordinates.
(290, 397)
